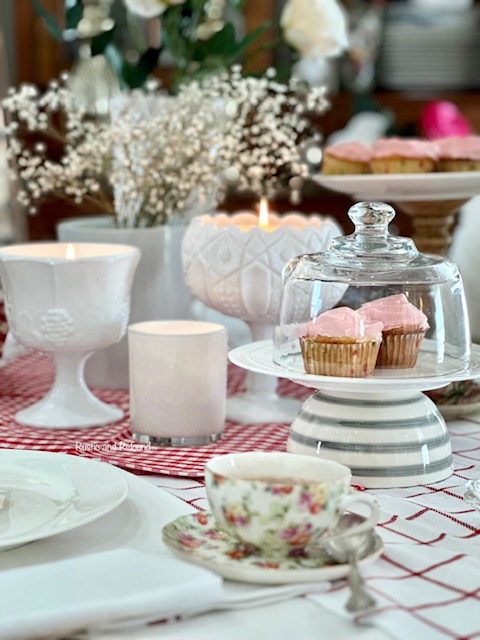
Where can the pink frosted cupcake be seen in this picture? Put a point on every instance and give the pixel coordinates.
(346, 158)
(340, 342)
(404, 327)
(459, 154)
(403, 155)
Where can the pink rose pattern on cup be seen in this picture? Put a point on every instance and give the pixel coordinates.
(278, 505)
(293, 538)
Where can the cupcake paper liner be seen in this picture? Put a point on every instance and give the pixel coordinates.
(399, 350)
(348, 360)
(402, 165)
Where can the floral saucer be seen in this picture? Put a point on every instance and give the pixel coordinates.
(197, 538)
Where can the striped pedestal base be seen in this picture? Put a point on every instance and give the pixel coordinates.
(387, 439)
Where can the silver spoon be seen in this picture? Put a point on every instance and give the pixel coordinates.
(345, 547)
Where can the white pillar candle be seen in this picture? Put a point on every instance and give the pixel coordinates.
(178, 381)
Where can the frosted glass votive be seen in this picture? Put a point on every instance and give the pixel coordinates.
(178, 382)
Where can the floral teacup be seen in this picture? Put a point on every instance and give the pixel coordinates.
(281, 502)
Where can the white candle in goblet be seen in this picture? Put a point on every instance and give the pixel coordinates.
(234, 263)
(68, 301)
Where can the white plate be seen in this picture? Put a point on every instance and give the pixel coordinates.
(452, 411)
(457, 399)
(49, 493)
(404, 187)
(197, 538)
(427, 374)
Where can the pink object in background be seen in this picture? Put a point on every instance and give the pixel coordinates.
(442, 119)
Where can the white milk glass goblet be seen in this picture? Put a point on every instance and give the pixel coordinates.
(68, 301)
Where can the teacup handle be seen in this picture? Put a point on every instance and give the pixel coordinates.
(355, 497)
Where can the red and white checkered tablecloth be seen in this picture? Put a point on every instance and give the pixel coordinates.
(427, 582)
(27, 379)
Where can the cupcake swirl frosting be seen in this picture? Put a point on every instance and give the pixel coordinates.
(342, 322)
(467, 148)
(353, 151)
(394, 312)
(404, 147)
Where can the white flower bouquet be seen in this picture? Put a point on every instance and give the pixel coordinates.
(54, 149)
(164, 166)
(269, 126)
(162, 156)
(143, 171)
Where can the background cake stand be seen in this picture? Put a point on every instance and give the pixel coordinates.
(431, 199)
(383, 428)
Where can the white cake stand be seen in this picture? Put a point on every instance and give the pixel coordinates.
(431, 200)
(383, 428)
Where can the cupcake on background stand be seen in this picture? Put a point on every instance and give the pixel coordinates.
(346, 158)
(403, 155)
(459, 154)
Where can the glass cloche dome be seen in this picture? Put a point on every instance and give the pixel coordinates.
(372, 305)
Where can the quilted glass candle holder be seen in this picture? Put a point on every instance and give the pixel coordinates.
(234, 265)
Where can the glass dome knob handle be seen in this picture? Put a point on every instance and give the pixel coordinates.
(371, 214)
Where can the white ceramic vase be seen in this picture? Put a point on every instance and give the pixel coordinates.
(159, 291)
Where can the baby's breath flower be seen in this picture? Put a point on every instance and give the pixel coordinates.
(163, 155)
(268, 124)
(38, 122)
(164, 164)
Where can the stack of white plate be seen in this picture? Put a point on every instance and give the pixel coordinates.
(426, 51)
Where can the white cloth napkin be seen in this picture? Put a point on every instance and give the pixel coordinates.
(427, 578)
(52, 599)
(120, 589)
(116, 573)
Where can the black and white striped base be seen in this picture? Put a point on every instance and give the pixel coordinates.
(387, 439)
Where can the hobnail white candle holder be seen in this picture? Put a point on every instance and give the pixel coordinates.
(68, 308)
(233, 265)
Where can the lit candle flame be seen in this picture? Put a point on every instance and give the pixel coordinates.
(70, 252)
(263, 217)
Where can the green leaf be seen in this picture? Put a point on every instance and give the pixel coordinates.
(135, 27)
(49, 20)
(100, 42)
(129, 75)
(252, 36)
(74, 15)
(135, 75)
(221, 44)
(148, 61)
(198, 8)
(173, 39)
